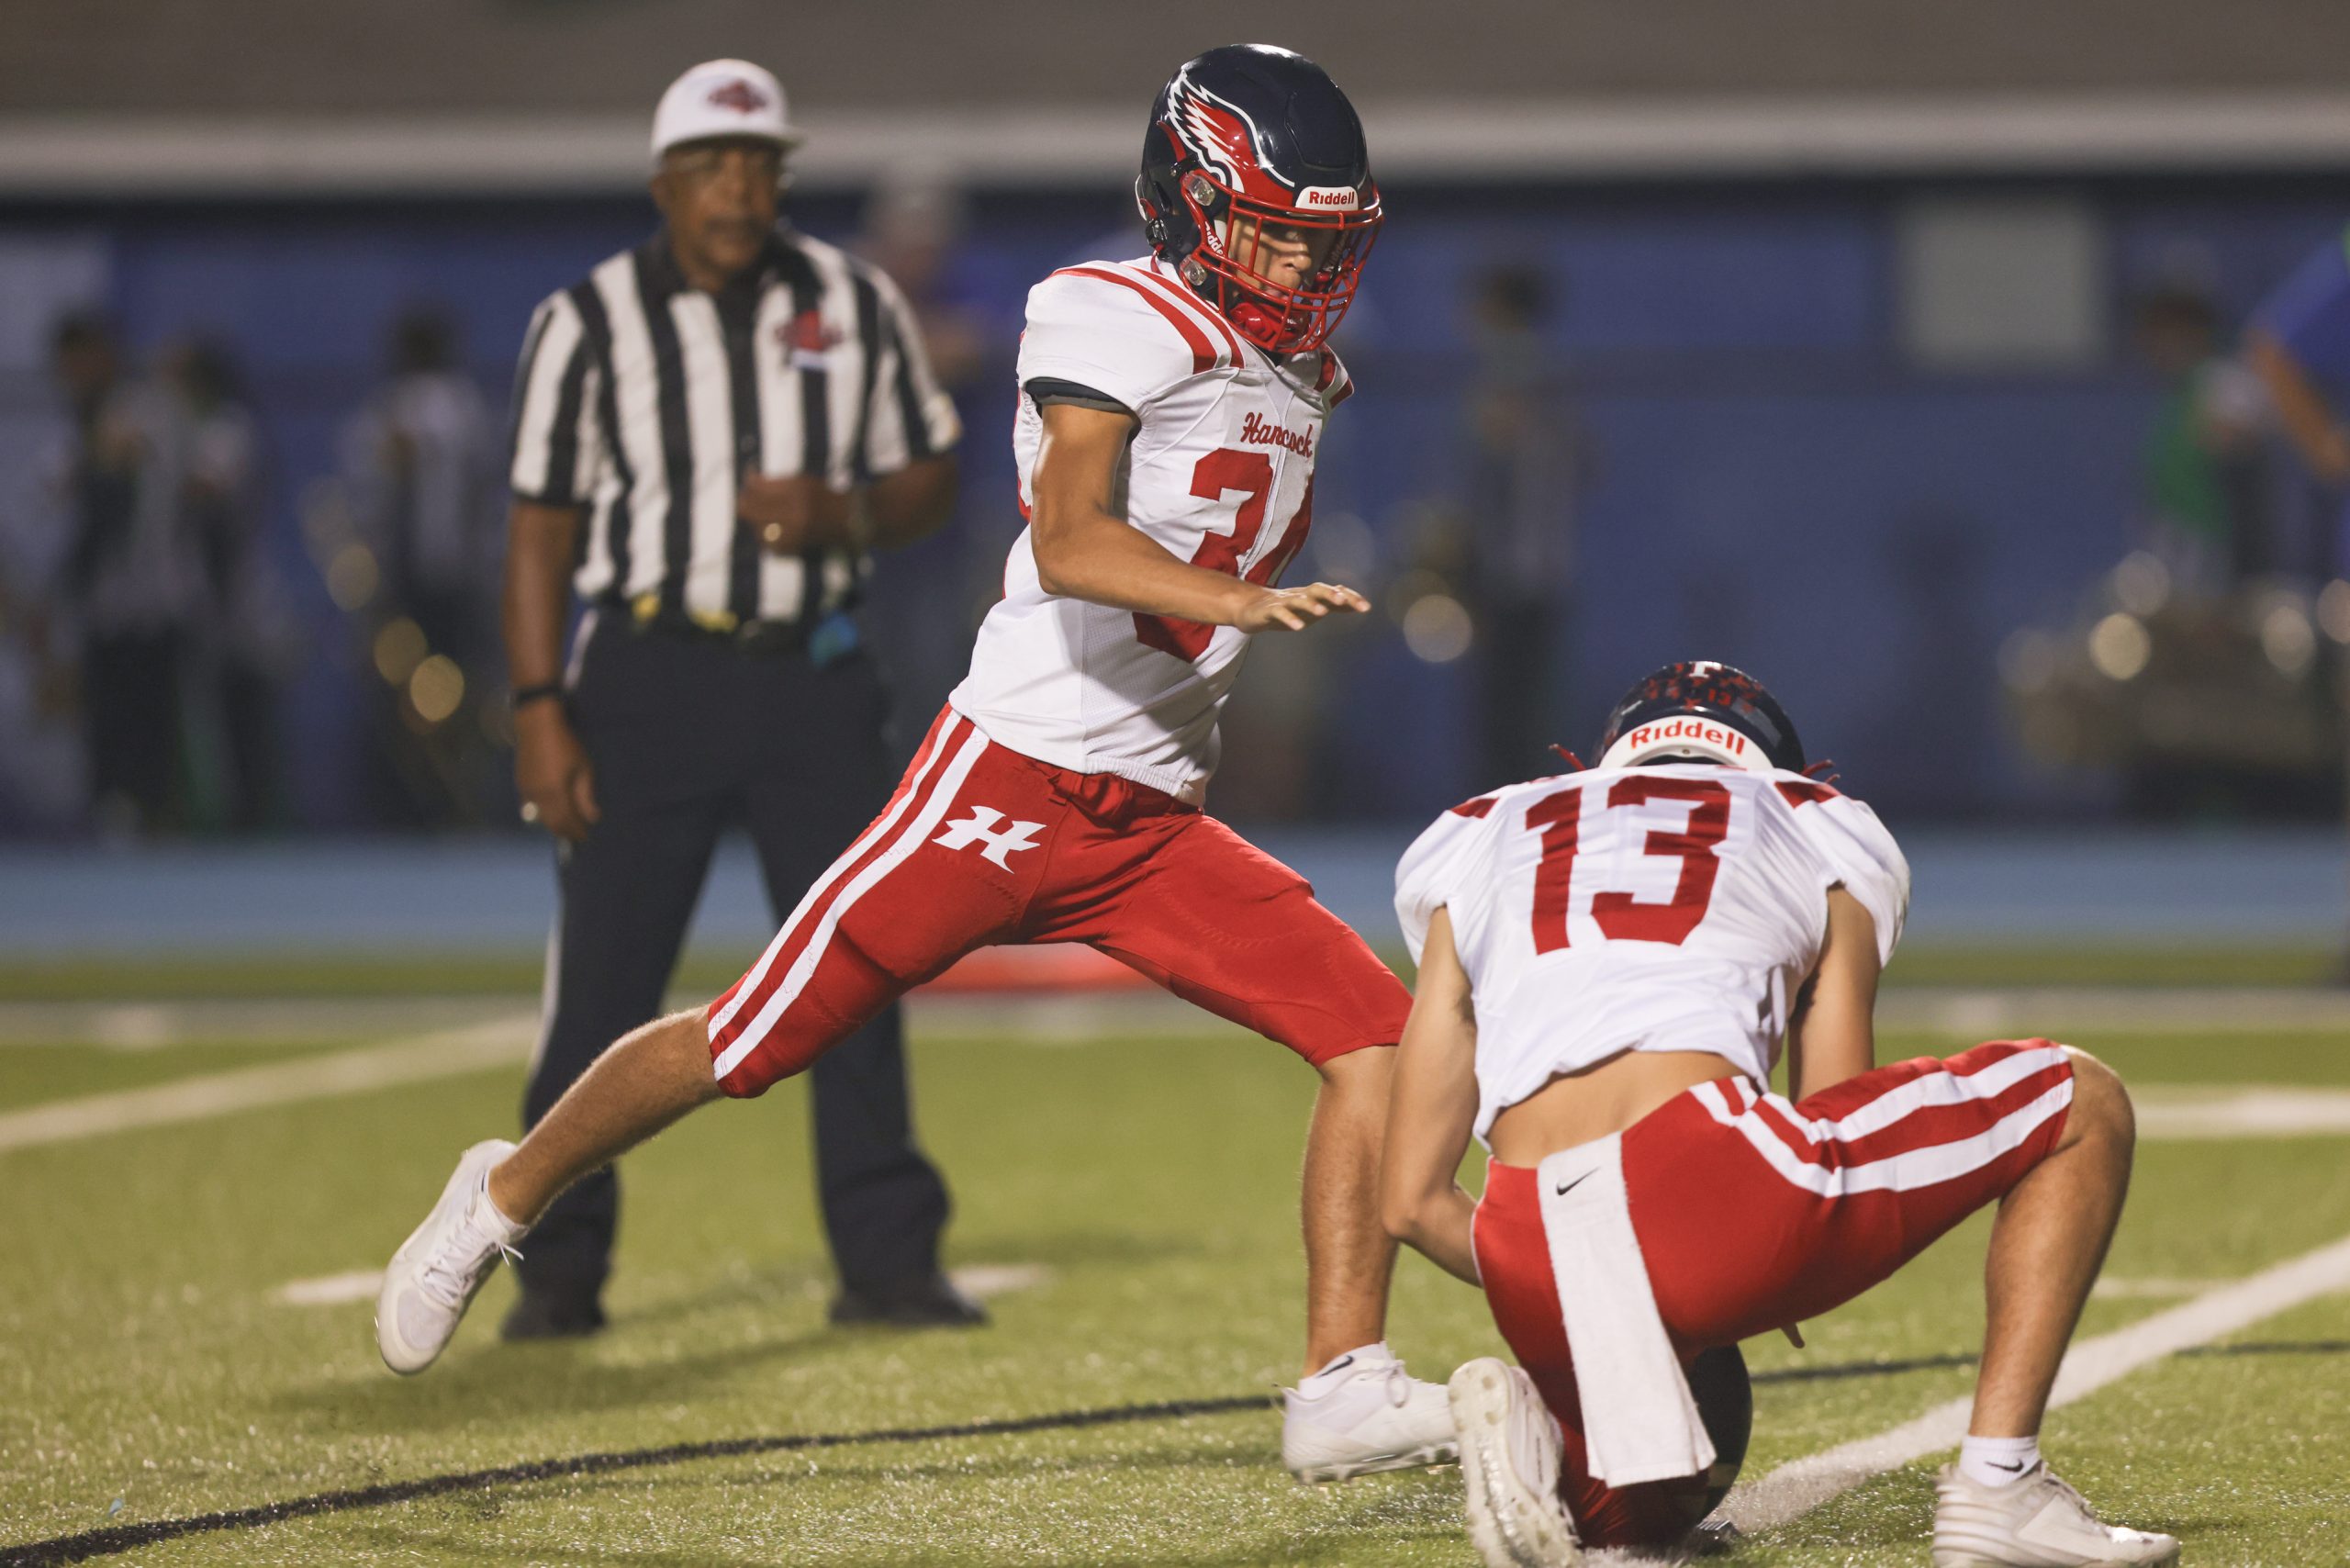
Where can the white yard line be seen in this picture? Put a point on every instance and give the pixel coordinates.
(2231, 1111)
(1082, 1017)
(498, 1043)
(2164, 1110)
(1796, 1488)
(322, 1021)
(985, 1282)
(1990, 1012)
(331, 1290)
(2112, 1288)
(988, 1281)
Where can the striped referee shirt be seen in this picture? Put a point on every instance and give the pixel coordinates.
(645, 401)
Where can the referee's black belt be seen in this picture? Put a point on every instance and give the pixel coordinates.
(827, 638)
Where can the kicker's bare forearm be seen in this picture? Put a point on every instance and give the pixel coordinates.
(1102, 560)
(537, 598)
(1084, 550)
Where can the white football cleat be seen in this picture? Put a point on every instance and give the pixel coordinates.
(1509, 1457)
(1377, 1418)
(433, 1276)
(2034, 1521)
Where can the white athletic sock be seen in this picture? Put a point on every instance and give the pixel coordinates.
(490, 1204)
(1340, 1368)
(1995, 1462)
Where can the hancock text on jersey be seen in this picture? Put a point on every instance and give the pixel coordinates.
(1257, 431)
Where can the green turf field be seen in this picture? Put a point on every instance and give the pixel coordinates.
(705, 972)
(1144, 1185)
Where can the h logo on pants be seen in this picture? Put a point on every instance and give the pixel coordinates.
(979, 828)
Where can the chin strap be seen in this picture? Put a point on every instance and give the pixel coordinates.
(1574, 763)
(1823, 771)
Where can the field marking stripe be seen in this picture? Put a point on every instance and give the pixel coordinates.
(116, 1538)
(981, 1282)
(444, 1053)
(2246, 1112)
(1798, 1488)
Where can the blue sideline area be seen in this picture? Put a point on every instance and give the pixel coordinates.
(436, 896)
(1765, 475)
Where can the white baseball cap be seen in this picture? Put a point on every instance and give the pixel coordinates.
(723, 97)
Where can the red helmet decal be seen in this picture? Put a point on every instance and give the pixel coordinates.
(1225, 142)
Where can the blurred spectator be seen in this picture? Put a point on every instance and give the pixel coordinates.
(913, 228)
(245, 645)
(2203, 461)
(425, 491)
(1525, 465)
(2299, 346)
(41, 784)
(132, 577)
(912, 224)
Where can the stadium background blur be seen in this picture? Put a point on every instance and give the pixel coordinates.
(1820, 338)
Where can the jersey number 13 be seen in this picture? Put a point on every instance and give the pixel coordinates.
(1619, 916)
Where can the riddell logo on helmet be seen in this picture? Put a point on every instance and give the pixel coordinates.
(1340, 199)
(738, 96)
(1686, 729)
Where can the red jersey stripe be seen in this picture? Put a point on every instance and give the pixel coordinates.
(1203, 354)
(1193, 303)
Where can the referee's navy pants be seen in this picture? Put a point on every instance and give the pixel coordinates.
(688, 737)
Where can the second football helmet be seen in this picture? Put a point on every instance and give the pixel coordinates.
(1253, 156)
(1703, 712)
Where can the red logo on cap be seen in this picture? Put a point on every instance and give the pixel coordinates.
(738, 96)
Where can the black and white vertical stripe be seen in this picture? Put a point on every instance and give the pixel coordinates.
(645, 401)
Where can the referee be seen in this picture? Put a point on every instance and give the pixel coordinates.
(711, 431)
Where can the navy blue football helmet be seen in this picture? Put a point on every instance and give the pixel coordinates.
(1252, 151)
(1700, 710)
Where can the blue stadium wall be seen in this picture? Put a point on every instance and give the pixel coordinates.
(1772, 484)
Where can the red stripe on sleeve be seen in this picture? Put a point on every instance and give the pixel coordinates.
(1203, 354)
(1804, 794)
(1189, 301)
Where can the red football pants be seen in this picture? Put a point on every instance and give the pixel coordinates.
(1752, 1213)
(981, 846)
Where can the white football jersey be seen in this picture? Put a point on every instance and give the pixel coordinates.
(1220, 472)
(1677, 908)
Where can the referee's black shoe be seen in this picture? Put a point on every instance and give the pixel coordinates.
(553, 1315)
(922, 1302)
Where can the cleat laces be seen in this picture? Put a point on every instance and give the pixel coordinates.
(447, 1277)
